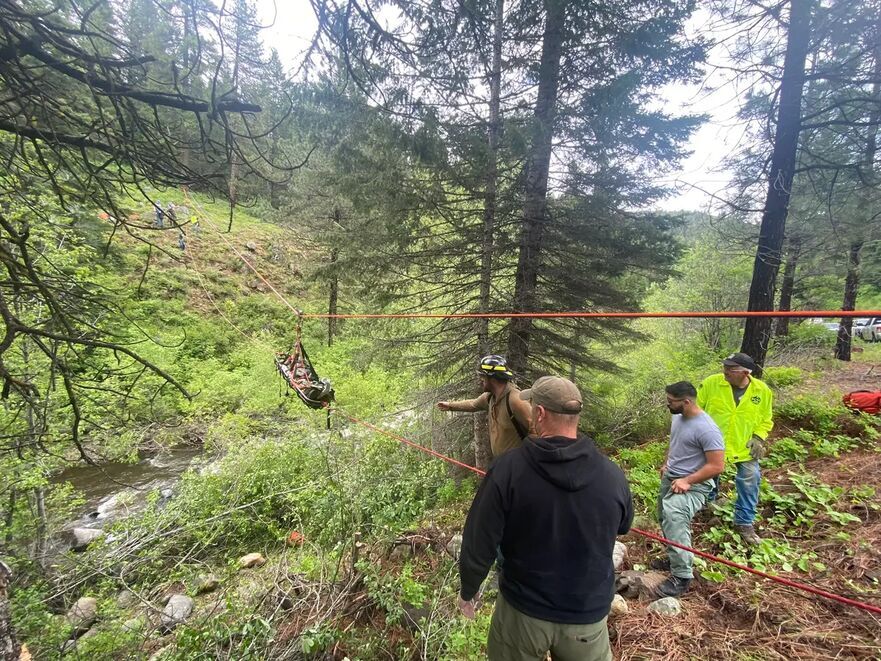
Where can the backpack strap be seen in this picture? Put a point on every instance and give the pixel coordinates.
(523, 433)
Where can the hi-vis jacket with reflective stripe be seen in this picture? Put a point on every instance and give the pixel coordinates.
(737, 422)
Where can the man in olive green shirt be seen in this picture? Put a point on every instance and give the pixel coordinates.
(509, 416)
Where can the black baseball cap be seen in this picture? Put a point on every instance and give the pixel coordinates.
(740, 360)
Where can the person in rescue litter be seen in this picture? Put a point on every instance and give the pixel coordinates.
(554, 505)
(741, 405)
(509, 416)
(695, 457)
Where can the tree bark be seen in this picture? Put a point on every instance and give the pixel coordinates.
(9, 647)
(334, 296)
(491, 184)
(757, 330)
(786, 289)
(851, 283)
(536, 186)
(482, 447)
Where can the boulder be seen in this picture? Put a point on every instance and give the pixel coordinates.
(669, 606)
(158, 654)
(633, 584)
(250, 245)
(134, 625)
(454, 546)
(177, 610)
(401, 551)
(619, 606)
(619, 555)
(207, 584)
(82, 614)
(251, 560)
(126, 599)
(82, 537)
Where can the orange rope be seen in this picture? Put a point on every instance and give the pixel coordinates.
(735, 314)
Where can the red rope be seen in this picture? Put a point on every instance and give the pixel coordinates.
(778, 579)
(736, 314)
(709, 556)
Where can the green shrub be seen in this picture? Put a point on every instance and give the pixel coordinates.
(810, 412)
(780, 377)
(642, 465)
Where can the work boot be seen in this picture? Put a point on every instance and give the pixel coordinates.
(673, 586)
(748, 534)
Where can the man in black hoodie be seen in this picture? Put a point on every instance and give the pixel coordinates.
(554, 506)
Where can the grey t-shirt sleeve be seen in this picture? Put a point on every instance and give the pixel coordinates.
(711, 438)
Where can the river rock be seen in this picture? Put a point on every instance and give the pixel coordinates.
(82, 537)
(83, 614)
(619, 606)
(126, 599)
(454, 546)
(207, 584)
(251, 560)
(176, 611)
(619, 555)
(158, 654)
(633, 584)
(670, 606)
(134, 625)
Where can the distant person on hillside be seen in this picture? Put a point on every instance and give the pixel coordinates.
(509, 420)
(197, 229)
(555, 505)
(158, 221)
(741, 405)
(171, 212)
(181, 240)
(695, 457)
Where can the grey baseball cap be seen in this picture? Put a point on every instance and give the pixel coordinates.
(555, 394)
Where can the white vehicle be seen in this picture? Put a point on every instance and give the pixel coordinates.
(870, 331)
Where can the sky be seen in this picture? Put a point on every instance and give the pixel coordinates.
(290, 25)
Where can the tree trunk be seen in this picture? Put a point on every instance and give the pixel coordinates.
(9, 647)
(786, 289)
(10, 517)
(851, 283)
(757, 330)
(482, 447)
(334, 296)
(536, 186)
(482, 450)
(41, 537)
(491, 185)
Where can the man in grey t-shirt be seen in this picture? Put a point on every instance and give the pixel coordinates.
(695, 457)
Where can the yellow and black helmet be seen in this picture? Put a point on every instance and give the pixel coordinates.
(495, 367)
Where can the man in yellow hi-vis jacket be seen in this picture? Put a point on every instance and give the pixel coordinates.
(741, 405)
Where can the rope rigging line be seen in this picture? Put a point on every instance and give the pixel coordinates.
(649, 535)
(735, 314)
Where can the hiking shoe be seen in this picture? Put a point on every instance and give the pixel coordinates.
(748, 534)
(660, 564)
(673, 586)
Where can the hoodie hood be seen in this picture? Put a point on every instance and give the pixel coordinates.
(561, 461)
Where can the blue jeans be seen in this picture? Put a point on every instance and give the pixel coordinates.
(746, 483)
